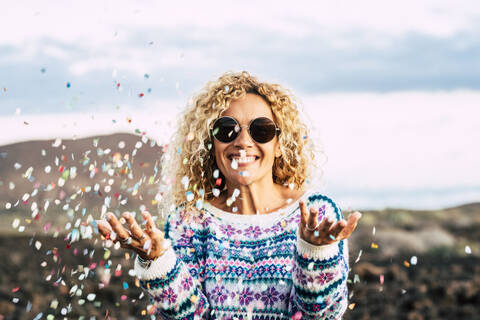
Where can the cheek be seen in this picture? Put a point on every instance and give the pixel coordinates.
(218, 153)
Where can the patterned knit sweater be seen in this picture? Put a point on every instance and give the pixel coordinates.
(230, 266)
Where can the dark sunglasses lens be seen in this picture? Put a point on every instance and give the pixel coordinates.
(224, 129)
(262, 130)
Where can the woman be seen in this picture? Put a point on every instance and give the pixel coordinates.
(246, 240)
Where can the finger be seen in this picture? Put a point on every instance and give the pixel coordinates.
(337, 228)
(105, 230)
(304, 214)
(351, 224)
(116, 226)
(312, 218)
(325, 225)
(135, 229)
(103, 227)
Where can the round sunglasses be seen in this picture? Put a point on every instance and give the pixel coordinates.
(227, 129)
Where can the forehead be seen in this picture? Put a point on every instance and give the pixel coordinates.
(249, 107)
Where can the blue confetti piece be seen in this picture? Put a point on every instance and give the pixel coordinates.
(95, 226)
(68, 85)
(332, 237)
(125, 285)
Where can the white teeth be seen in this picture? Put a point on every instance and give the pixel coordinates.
(244, 159)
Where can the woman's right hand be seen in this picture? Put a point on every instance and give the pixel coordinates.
(149, 243)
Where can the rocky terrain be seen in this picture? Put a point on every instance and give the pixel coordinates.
(404, 264)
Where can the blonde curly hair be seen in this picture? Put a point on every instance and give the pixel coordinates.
(190, 161)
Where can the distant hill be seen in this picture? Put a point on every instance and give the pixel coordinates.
(78, 177)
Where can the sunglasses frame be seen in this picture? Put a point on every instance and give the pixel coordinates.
(277, 129)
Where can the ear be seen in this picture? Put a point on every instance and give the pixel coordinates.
(278, 151)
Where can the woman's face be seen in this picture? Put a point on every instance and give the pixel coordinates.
(254, 160)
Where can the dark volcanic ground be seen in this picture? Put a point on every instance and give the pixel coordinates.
(438, 287)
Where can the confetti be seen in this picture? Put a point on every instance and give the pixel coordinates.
(185, 182)
(468, 250)
(236, 193)
(194, 299)
(356, 278)
(359, 255)
(374, 245)
(54, 304)
(413, 260)
(351, 306)
(15, 223)
(406, 264)
(57, 143)
(147, 245)
(234, 164)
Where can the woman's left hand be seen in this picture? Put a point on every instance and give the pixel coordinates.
(325, 232)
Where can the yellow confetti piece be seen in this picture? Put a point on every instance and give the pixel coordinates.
(194, 299)
(406, 264)
(127, 256)
(144, 312)
(351, 306)
(137, 283)
(106, 255)
(374, 245)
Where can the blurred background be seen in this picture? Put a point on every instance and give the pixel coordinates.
(90, 91)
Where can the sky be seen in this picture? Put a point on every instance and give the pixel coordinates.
(391, 88)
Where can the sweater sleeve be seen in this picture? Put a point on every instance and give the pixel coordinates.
(320, 272)
(174, 281)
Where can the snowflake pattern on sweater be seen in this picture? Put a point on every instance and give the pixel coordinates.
(230, 266)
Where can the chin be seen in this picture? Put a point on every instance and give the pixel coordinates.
(242, 181)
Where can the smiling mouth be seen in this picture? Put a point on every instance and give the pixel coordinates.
(243, 160)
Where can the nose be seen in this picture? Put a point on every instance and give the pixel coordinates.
(243, 139)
